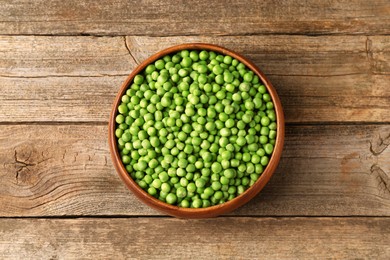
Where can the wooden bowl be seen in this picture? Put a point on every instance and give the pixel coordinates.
(213, 210)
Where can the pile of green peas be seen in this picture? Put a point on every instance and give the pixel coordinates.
(196, 128)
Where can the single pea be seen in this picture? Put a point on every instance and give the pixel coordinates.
(203, 55)
(219, 79)
(264, 160)
(268, 148)
(191, 187)
(159, 64)
(206, 203)
(202, 69)
(227, 60)
(248, 77)
(163, 176)
(228, 78)
(217, 70)
(266, 97)
(208, 191)
(126, 159)
(150, 68)
(197, 203)
(223, 141)
(244, 87)
(232, 190)
(272, 134)
(263, 139)
(194, 55)
(215, 185)
(118, 132)
(200, 183)
(240, 189)
(241, 141)
(152, 191)
(181, 192)
(218, 195)
(265, 121)
(225, 132)
(259, 168)
(153, 163)
(138, 79)
(165, 187)
(186, 62)
(183, 182)
(249, 105)
(236, 97)
(229, 173)
(184, 204)
(156, 183)
(123, 109)
(171, 198)
(183, 73)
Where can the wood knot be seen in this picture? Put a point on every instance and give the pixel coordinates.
(25, 160)
(21, 165)
(382, 177)
(379, 144)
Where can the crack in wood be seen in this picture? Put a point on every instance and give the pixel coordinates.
(63, 76)
(128, 50)
(195, 34)
(63, 156)
(380, 146)
(370, 55)
(105, 160)
(369, 52)
(75, 156)
(21, 165)
(383, 177)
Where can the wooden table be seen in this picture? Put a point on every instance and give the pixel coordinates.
(62, 62)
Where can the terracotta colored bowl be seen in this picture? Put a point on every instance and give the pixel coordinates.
(213, 210)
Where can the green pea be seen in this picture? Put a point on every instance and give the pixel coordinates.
(181, 192)
(159, 64)
(171, 198)
(264, 160)
(268, 148)
(216, 185)
(193, 125)
(191, 187)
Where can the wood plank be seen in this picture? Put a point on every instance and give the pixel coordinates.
(158, 18)
(75, 78)
(43, 57)
(56, 170)
(58, 99)
(222, 238)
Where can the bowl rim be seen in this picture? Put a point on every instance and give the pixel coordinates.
(227, 206)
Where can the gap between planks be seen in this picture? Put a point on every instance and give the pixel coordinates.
(169, 217)
(100, 123)
(313, 34)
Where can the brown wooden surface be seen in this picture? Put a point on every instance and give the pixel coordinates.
(162, 18)
(319, 79)
(223, 238)
(50, 170)
(62, 62)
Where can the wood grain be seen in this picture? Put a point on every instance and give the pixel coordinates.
(222, 238)
(121, 17)
(44, 57)
(334, 170)
(62, 62)
(73, 79)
